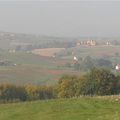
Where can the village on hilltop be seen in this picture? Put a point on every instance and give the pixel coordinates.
(91, 43)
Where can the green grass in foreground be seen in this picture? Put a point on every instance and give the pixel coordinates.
(69, 109)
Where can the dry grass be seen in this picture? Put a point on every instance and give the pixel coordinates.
(49, 52)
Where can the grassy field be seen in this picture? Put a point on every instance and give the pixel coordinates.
(69, 109)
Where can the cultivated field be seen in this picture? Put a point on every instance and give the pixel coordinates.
(37, 69)
(32, 69)
(49, 52)
(68, 109)
(111, 52)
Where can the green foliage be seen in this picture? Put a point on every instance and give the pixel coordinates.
(11, 93)
(77, 66)
(100, 82)
(40, 92)
(103, 63)
(66, 86)
(88, 63)
(68, 65)
(96, 82)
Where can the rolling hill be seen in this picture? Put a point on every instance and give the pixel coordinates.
(68, 109)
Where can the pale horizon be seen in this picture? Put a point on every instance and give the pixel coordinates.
(64, 19)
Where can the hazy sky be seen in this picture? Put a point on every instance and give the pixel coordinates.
(61, 18)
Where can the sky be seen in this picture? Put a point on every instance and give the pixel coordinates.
(61, 18)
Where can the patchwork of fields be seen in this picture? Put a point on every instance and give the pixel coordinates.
(42, 69)
(28, 68)
(32, 69)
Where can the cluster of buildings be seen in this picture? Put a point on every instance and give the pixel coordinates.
(6, 36)
(88, 43)
(92, 43)
(108, 43)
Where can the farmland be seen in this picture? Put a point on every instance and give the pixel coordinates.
(50, 52)
(31, 69)
(93, 51)
(85, 108)
(59, 60)
(36, 69)
(35, 59)
(45, 66)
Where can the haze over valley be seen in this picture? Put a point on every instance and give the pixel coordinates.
(59, 60)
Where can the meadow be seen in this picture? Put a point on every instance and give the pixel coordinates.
(84, 108)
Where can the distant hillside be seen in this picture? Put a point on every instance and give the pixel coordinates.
(28, 42)
(12, 40)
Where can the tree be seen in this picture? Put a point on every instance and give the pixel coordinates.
(100, 82)
(76, 66)
(104, 63)
(88, 63)
(10, 92)
(66, 86)
(95, 82)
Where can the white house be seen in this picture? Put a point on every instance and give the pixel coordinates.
(117, 67)
(75, 58)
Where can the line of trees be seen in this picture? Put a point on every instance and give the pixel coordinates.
(95, 82)
(13, 93)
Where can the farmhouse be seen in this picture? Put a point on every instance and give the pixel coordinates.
(108, 43)
(75, 58)
(91, 43)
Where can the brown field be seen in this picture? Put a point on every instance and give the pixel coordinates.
(49, 52)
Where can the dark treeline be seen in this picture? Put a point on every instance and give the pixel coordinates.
(13, 93)
(95, 82)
